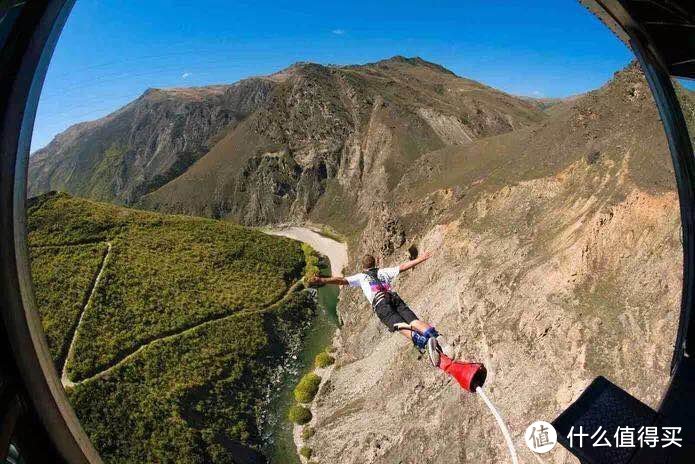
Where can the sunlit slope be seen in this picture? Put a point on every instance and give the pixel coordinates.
(327, 135)
(282, 146)
(189, 317)
(144, 144)
(557, 258)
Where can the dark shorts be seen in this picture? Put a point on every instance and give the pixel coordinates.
(393, 310)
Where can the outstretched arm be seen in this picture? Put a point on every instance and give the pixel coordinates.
(411, 264)
(333, 280)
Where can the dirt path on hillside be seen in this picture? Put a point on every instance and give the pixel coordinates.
(336, 251)
(71, 351)
(295, 287)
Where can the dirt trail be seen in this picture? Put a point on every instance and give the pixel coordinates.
(71, 351)
(296, 286)
(336, 251)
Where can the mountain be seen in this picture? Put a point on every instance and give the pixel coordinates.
(167, 346)
(268, 149)
(145, 144)
(557, 258)
(556, 235)
(548, 103)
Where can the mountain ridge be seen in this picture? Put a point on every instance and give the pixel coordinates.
(273, 111)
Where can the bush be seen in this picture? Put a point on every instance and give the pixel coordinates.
(299, 415)
(164, 274)
(311, 259)
(306, 452)
(308, 432)
(307, 388)
(323, 359)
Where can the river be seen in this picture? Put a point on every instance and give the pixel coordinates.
(280, 447)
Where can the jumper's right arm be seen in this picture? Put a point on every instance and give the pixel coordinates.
(332, 280)
(411, 264)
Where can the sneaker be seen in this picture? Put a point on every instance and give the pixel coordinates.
(444, 347)
(434, 351)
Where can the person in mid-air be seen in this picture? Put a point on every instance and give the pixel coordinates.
(388, 306)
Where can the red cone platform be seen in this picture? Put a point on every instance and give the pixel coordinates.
(468, 375)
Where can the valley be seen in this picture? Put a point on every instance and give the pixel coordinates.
(554, 225)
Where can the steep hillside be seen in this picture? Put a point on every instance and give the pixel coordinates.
(288, 145)
(145, 144)
(341, 134)
(557, 259)
(169, 332)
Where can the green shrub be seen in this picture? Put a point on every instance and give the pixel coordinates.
(308, 432)
(311, 259)
(306, 452)
(164, 274)
(299, 414)
(201, 375)
(332, 234)
(323, 359)
(62, 278)
(307, 388)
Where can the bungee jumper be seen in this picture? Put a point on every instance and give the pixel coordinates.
(398, 317)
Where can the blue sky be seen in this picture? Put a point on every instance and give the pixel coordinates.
(113, 50)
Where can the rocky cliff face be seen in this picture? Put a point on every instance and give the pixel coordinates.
(557, 259)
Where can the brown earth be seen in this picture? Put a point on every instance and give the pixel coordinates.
(557, 259)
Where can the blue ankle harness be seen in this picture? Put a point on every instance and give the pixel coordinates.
(420, 339)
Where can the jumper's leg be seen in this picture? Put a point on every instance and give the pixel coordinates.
(423, 336)
(404, 329)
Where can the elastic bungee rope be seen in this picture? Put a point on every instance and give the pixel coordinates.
(501, 424)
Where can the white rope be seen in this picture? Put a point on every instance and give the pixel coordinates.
(501, 424)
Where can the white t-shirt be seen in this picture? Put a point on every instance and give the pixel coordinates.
(386, 275)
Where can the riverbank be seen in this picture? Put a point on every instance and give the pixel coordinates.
(287, 439)
(334, 250)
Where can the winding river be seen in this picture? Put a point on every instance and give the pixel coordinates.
(280, 447)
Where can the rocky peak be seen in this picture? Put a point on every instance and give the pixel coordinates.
(413, 61)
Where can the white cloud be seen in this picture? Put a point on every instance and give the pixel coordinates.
(537, 93)
(186, 75)
(338, 31)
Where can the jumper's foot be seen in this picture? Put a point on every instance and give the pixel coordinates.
(434, 351)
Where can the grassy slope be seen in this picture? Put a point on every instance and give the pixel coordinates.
(62, 279)
(166, 273)
(191, 398)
